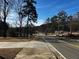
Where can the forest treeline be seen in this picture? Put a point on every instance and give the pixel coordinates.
(60, 22)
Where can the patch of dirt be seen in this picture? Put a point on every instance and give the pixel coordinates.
(15, 39)
(19, 39)
(9, 53)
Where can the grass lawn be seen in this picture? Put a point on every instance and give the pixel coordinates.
(14, 39)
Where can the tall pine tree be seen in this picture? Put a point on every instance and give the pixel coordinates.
(28, 10)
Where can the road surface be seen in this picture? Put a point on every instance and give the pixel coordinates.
(70, 51)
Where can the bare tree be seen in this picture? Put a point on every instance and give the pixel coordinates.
(18, 10)
(5, 8)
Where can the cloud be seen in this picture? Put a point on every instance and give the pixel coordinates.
(39, 22)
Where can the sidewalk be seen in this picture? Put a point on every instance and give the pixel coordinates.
(36, 50)
(31, 50)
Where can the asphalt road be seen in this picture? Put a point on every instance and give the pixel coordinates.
(70, 51)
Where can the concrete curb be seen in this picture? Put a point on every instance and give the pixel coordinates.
(55, 51)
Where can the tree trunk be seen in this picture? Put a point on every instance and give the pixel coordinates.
(5, 29)
(20, 32)
(27, 28)
(4, 11)
(5, 33)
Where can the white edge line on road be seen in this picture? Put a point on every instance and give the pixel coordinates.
(70, 44)
(58, 52)
(55, 49)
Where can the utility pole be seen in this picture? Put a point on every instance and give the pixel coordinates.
(58, 21)
(70, 19)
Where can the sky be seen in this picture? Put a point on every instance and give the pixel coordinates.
(49, 8)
